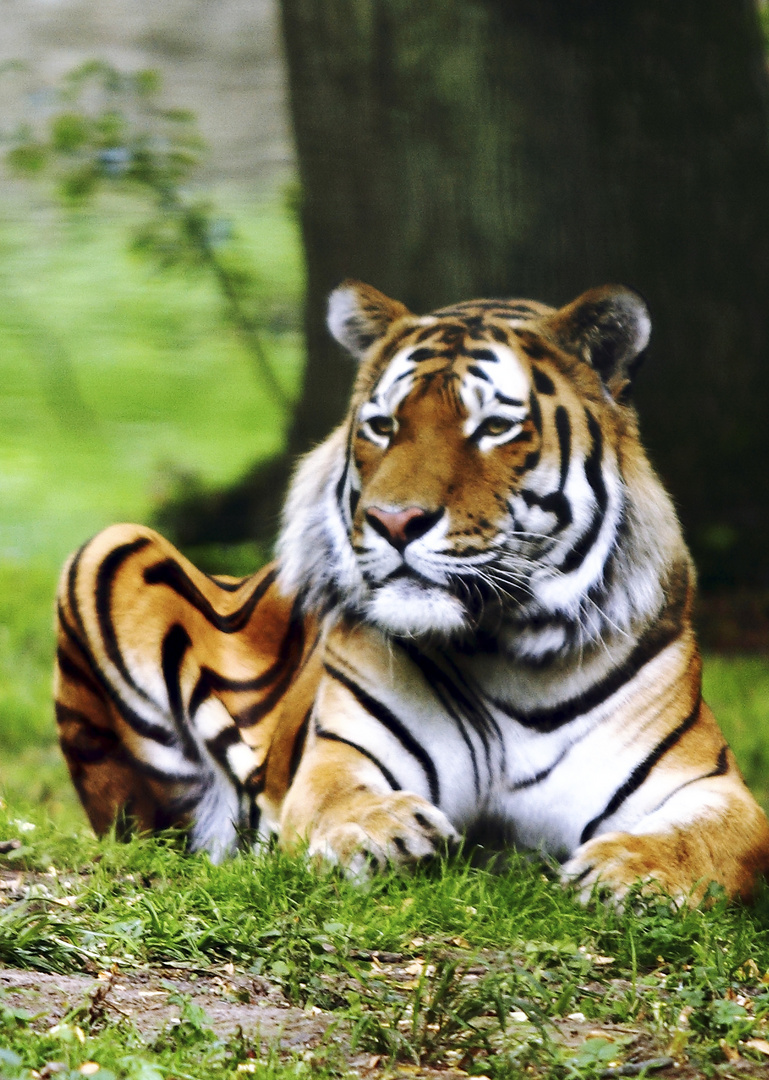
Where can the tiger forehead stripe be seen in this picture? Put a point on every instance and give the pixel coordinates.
(396, 379)
(501, 372)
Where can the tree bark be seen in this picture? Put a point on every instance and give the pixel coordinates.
(459, 148)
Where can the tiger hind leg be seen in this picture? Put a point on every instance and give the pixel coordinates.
(117, 788)
(111, 787)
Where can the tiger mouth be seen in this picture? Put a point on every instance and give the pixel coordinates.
(409, 573)
(481, 601)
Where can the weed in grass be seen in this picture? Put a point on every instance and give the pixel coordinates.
(449, 1013)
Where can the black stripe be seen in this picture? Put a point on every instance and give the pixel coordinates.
(395, 726)
(535, 412)
(170, 573)
(105, 580)
(220, 743)
(650, 645)
(354, 500)
(509, 400)
(78, 754)
(343, 478)
(532, 781)
(255, 782)
(594, 477)
(213, 680)
(721, 769)
(323, 734)
(479, 373)
(175, 645)
(75, 673)
(252, 714)
(182, 805)
(641, 772)
(74, 566)
(290, 658)
(418, 356)
(254, 818)
(531, 344)
(291, 644)
(154, 773)
(722, 764)
(300, 738)
(487, 356)
(563, 430)
(90, 744)
(437, 681)
(450, 332)
(229, 586)
(543, 384)
(145, 728)
(531, 460)
(466, 310)
(554, 503)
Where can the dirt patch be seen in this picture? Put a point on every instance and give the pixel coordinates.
(152, 1000)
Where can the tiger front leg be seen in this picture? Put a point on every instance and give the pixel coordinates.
(341, 806)
(725, 840)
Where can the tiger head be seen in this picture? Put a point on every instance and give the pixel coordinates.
(489, 478)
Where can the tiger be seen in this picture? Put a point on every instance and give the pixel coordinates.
(478, 624)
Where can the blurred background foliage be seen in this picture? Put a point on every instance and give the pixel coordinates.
(164, 260)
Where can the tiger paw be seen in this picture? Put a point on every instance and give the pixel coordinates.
(398, 829)
(617, 861)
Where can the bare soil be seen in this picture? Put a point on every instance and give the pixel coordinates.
(231, 1001)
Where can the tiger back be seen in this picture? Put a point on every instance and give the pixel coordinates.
(479, 620)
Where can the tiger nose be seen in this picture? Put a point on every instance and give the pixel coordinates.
(400, 527)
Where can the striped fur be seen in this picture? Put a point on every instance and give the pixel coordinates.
(479, 622)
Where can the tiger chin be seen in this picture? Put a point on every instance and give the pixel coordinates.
(479, 615)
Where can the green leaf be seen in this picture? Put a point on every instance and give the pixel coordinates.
(29, 158)
(69, 132)
(147, 82)
(79, 185)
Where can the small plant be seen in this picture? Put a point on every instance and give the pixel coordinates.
(451, 1012)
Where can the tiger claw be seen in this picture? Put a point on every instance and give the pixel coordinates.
(399, 830)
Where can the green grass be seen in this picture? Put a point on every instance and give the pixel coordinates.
(476, 968)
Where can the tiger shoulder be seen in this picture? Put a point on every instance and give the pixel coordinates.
(479, 621)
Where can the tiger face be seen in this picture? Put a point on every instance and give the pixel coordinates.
(479, 485)
(439, 436)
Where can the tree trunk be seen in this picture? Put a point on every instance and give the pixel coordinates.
(458, 148)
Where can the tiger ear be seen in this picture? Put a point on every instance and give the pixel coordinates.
(359, 314)
(608, 328)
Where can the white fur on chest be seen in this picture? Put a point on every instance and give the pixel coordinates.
(544, 787)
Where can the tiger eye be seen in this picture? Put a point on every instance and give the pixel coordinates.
(381, 425)
(495, 425)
